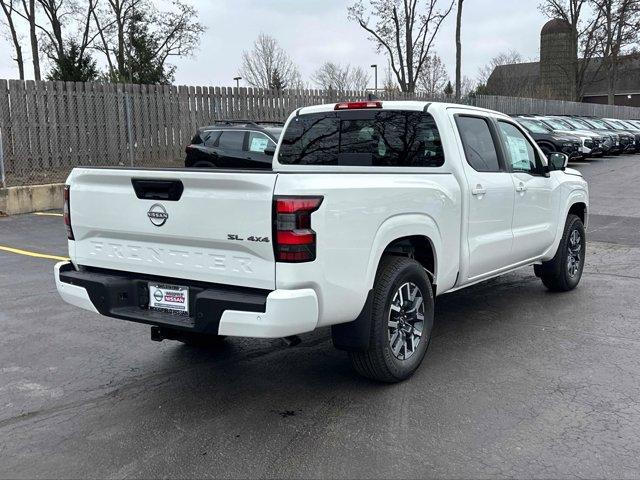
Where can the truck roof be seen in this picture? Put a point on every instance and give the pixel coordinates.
(401, 105)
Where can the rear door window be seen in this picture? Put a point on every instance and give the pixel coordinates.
(231, 140)
(258, 142)
(210, 138)
(477, 141)
(363, 138)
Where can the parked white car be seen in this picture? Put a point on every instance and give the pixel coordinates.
(371, 211)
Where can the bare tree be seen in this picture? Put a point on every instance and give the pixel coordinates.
(505, 81)
(30, 14)
(390, 84)
(618, 30)
(8, 9)
(331, 76)
(404, 30)
(467, 86)
(503, 58)
(111, 22)
(359, 79)
(163, 34)
(335, 76)
(56, 17)
(584, 26)
(433, 77)
(459, 51)
(56, 12)
(266, 57)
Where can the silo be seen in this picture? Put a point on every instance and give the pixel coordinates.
(558, 57)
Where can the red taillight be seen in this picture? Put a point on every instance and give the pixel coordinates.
(67, 212)
(357, 105)
(294, 240)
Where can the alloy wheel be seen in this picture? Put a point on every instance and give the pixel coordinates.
(406, 321)
(574, 255)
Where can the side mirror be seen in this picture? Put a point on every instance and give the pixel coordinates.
(558, 161)
(270, 151)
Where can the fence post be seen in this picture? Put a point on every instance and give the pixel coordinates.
(127, 110)
(2, 174)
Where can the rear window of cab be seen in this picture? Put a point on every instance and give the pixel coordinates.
(380, 138)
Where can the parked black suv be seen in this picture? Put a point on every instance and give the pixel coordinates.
(233, 144)
(550, 142)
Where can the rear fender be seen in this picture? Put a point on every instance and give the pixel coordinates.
(402, 226)
(355, 336)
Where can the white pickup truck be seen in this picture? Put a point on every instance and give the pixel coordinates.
(372, 209)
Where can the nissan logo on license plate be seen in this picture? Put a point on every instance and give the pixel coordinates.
(158, 215)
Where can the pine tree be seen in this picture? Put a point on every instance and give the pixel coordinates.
(448, 90)
(73, 67)
(142, 65)
(277, 82)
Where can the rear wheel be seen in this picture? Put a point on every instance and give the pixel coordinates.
(401, 322)
(564, 271)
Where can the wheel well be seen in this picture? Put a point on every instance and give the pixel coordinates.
(417, 247)
(543, 144)
(579, 209)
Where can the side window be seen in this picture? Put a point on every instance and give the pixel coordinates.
(311, 140)
(258, 142)
(231, 140)
(211, 138)
(520, 153)
(478, 144)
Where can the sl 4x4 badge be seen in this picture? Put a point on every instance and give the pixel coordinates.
(252, 238)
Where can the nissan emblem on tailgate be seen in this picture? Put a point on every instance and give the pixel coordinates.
(158, 215)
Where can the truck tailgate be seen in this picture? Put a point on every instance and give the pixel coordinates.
(218, 230)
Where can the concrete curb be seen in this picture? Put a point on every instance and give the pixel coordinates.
(32, 198)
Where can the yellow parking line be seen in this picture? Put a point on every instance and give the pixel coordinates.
(32, 254)
(47, 214)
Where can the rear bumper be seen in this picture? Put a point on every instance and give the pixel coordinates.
(214, 309)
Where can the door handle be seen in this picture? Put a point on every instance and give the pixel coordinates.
(521, 187)
(479, 190)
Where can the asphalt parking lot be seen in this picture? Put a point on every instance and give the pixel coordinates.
(518, 382)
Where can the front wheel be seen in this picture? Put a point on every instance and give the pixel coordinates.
(401, 322)
(564, 271)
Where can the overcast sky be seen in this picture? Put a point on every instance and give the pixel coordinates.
(314, 31)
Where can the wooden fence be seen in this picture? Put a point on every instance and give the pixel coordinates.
(47, 128)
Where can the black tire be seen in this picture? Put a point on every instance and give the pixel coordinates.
(546, 150)
(379, 362)
(563, 273)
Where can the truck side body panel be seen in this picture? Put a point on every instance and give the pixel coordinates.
(360, 215)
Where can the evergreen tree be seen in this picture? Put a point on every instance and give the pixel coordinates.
(277, 82)
(141, 62)
(448, 90)
(73, 67)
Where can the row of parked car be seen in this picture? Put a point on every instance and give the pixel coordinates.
(582, 137)
(248, 144)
